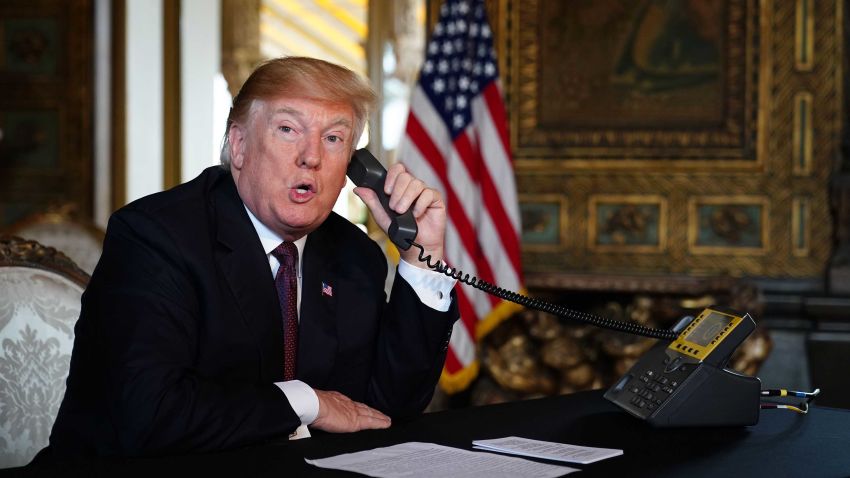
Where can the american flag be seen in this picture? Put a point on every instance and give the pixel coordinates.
(456, 140)
(327, 290)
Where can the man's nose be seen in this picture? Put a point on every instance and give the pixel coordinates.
(310, 155)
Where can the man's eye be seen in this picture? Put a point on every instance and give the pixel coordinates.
(285, 129)
(334, 138)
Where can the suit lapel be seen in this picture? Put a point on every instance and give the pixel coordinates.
(317, 330)
(245, 269)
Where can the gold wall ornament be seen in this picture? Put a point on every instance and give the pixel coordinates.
(240, 41)
(600, 105)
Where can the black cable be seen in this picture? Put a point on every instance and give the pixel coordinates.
(537, 304)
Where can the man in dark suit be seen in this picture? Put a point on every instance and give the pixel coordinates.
(180, 343)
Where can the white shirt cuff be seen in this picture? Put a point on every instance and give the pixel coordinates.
(302, 398)
(433, 288)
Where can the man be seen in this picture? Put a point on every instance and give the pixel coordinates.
(180, 345)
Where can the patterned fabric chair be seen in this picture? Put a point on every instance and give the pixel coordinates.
(63, 228)
(40, 291)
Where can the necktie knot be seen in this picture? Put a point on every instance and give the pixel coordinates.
(287, 254)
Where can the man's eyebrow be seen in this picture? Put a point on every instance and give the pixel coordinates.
(341, 121)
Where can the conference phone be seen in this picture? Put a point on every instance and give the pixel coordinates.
(683, 380)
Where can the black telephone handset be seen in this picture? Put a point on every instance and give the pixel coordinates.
(681, 381)
(366, 171)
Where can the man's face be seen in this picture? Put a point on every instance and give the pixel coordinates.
(289, 162)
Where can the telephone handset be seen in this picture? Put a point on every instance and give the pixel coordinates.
(366, 171)
(681, 381)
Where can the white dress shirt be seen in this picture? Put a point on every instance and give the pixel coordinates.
(432, 288)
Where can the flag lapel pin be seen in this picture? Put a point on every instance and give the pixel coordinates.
(327, 290)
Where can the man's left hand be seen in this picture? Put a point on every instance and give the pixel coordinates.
(404, 191)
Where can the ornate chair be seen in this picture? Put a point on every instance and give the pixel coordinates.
(63, 228)
(40, 291)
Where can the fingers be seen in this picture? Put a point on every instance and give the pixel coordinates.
(405, 191)
(338, 413)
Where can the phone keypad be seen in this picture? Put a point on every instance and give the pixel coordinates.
(651, 389)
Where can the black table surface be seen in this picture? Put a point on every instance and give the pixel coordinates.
(783, 443)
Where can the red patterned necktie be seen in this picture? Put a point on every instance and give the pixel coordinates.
(285, 282)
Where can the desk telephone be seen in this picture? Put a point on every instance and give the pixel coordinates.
(681, 381)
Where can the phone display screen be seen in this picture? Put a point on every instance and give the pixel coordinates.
(708, 329)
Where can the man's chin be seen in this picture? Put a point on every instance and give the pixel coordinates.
(299, 227)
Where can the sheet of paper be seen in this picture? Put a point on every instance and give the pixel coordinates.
(415, 459)
(546, 450)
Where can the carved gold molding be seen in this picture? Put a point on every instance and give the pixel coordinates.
(15, 251)
(240, 41)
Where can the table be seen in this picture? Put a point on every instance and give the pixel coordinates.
(783, 443)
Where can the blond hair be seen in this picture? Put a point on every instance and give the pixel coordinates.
(300, 77)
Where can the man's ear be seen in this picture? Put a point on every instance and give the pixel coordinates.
(237, 140)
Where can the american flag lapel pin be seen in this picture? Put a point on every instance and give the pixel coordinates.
(327, 290)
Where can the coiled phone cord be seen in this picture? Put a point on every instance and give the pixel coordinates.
(537, 304)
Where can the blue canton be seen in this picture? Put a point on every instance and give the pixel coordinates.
(460, 62)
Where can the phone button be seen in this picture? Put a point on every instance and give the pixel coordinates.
(672, 366)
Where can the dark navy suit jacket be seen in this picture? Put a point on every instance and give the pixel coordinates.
(180, 338)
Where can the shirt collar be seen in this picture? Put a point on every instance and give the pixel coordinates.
(271, 240)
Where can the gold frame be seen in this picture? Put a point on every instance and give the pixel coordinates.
(804, 35)
(646, 149)
(800, 214)
(801, 155)
(765, 169)
(597, 199)
(563, 220)
(693, 224)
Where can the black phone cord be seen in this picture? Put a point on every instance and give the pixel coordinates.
(537, 304)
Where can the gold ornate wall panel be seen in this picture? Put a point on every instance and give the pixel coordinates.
(693, 138)
(45, 105)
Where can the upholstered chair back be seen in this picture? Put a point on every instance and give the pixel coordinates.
(40, 290)
(62, 228)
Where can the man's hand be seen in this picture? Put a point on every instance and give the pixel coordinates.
(405, 191)
(340, 414)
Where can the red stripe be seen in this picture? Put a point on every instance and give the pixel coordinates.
(492, 201)
(452, 364)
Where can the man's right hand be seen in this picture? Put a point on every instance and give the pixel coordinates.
(339, 414)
